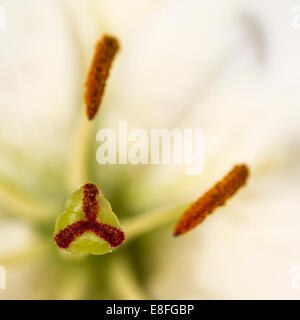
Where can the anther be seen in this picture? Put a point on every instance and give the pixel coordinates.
(215, 197)
(105, 52)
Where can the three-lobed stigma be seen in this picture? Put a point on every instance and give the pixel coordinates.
(88, 224)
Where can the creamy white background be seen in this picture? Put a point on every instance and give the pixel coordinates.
(187, 64)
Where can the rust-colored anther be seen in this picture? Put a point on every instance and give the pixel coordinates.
(105, 52)
(213, 198)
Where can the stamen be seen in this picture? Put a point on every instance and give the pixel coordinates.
(215, 197)
(105, 52)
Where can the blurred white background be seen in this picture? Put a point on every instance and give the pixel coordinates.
(230, 67)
